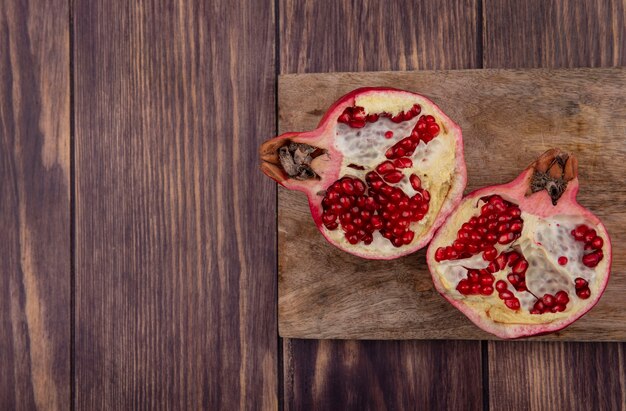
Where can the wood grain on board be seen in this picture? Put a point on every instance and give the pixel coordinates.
(329, 35)
(564, 33)
(381, 375)
(175, 225)
(34, 205)
(342, 296)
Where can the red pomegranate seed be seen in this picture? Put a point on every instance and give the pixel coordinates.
(403, 162)
(415, 181)
(385, 167)
(589, 235)
(501, 286)
(512, 303)
(506, 238)
(440, 254)
(562, 260)
(579, 232)
(580, 283)
(583, 293)
(548, 300)
(388, 134)
(486, 290)
(597, 242)
(352, 238)
(473, 276)
(486, 279)
(463, 287)
(592, 260)
(505, 295)
(520, 266)
(561, 297)
(367, 239)
(490, 254)
(408, 237)
(393, 177)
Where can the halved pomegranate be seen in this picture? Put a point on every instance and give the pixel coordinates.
(381, 171)
(523, 258)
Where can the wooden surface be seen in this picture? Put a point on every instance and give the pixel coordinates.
(347, 297)
(172, 302)
(175, 257)
(35, 318)
(329, 35)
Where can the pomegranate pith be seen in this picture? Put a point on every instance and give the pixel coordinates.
(551, 261)
(381, 172)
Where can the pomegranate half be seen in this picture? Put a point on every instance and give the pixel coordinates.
(382, 171)
(523, 258)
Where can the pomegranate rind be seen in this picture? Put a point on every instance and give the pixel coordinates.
(323, 136)
(533, 204)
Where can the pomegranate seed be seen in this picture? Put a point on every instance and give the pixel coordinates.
(403, 162)
(562, 260)
(397, 242)
(592, 260)
(548, 300)
(398, 231)
(512, 303)
(388, 134)
(476, 288)
(433, 129)
(415, 181)
(385, 167)
(558, 308)
(463, 287)
(359, 187)
(501, 261)
(490, 254)
(505, 295)
(513, 257)
(561, 297)
(589, 235)
(459, 246)
(367, 239)
(516, 226)
(487, 279)
(539, 306)
(583, 293)
(393, 176)
(473, 276)
(506, 238)
(352, 238)
(440, 254)
(514, 279)
(377, 222)
(533, 311)
(520, 266)
(597, 242)
(579, 232)
(407, 238)
(472, 248)
(501, 285)
(486, 290)
(372, 118)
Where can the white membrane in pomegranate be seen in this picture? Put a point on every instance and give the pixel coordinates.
(523, 258)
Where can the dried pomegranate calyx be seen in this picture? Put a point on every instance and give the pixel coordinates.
(552, 171)
(296, 158)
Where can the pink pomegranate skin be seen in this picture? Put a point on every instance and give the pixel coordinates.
(331, 166)
(538, 204)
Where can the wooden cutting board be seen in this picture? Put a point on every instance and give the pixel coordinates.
(508, 118)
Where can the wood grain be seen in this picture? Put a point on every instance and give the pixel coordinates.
(175, 225)
(554, 34)
(548, 376)
(328, 35)
(34, 205)
(381, 375)
(577, 110)
(560, 33)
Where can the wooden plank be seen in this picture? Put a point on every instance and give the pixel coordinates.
(327, 36)
(577, 110)
(175, 225)
(562, 33)
(34, 205)
(565, 376)
(322, 36)
(381, 375)
(554, 34)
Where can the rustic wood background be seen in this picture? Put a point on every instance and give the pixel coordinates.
(138, 238)
(508, 117)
